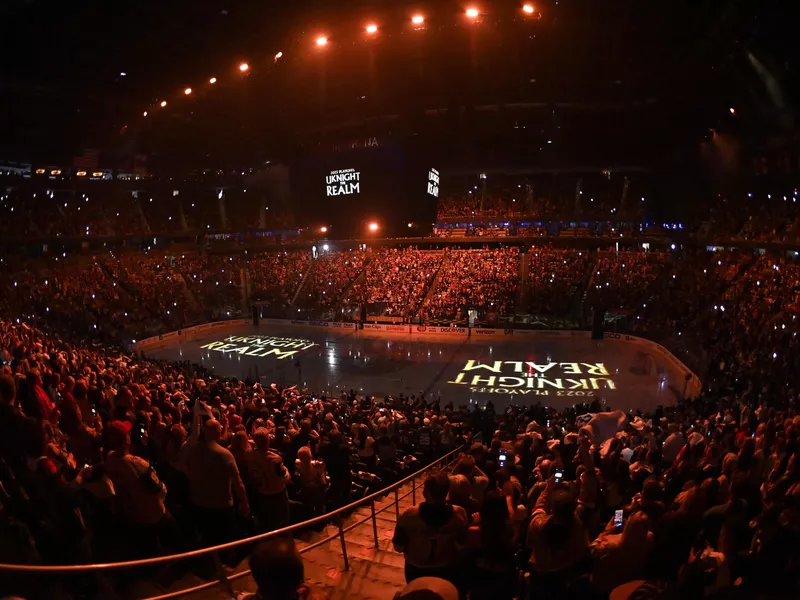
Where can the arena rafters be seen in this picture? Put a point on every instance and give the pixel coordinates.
(376, 67)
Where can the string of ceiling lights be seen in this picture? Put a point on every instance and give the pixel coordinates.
(417, 21)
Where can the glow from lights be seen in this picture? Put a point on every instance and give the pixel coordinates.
(373, 226)
(527, 9)
(212, 80)
(472, 13)
(144, 113)
(187, 91)
(322, 40)
(163, 103)
(323, 230)
(733, 111)
(244, 67)
(277, 56)
(372, 28)
(417, 19)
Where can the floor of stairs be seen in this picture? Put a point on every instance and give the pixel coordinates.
(374, 574)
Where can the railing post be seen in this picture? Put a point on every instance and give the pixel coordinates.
(344, 544)
(223, 577)
(397, 503)
(374, 524)
(414, 491)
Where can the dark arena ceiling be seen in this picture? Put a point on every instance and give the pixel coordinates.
(563, 82)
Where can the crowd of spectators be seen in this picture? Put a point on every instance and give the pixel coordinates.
(625, 280)
(396, 281)
(155, 286)
(700, 500)
(106, 456)
(555, 277)
(481, 280)
(332, 274)
(275, 277)
(213, 281)
(76, 295)
(95, 442)
(767, 216)
(569, 198)
(59, 210)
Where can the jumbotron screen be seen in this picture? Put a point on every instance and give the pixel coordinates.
(343, 182)
(372, 182)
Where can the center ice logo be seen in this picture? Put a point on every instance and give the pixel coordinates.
(279, 347)
(525, 377)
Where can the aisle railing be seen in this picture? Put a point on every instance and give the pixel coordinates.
(224, 579)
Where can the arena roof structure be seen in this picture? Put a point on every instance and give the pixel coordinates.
(216, 83)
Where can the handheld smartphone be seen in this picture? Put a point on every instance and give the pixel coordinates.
(94, 411)
(559, 475)
(503, 454)
(618, 518)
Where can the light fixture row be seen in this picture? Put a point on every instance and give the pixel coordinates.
(418, 20)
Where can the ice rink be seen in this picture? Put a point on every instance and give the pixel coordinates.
(556, 372)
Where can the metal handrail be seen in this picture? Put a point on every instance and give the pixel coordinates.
(334, 514)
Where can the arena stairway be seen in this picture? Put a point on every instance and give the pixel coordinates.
(187, 292)
(522, 301)
(306, 278)
(360, 278)
(434, 284)
(374, 574)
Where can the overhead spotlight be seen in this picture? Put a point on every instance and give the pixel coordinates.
(187, 91)
(417, 19)
(277, 56)
(322, 40)
(472, 13)
(323, 229)
(733, 111)
(373, 226)
(372, 28)
(144, 113)
(212, 80)
(528, 9)
(163, 103)
(244, 67)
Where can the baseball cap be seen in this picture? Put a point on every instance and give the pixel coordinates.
(117, 432)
